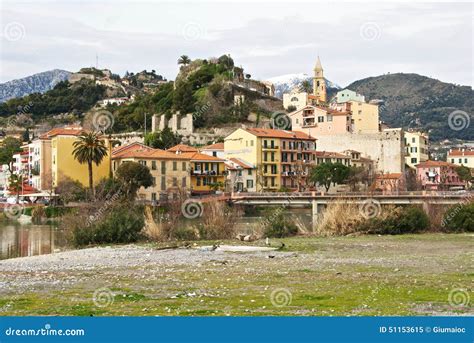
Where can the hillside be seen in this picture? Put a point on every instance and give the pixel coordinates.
(415, 101)
(37, 83)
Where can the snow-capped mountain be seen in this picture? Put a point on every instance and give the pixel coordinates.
(285, 83)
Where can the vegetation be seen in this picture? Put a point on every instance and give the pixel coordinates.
(90, 148)
(325, 174)
(464, 173)
(133, 175)
(459, 218)
(162, 139)
(279, 225)
(9, 147)
(70, 190)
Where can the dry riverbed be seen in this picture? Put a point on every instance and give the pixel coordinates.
(429, 274)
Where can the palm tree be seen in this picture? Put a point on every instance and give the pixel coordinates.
(184, 60)
(90, 148)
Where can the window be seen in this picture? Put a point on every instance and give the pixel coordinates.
(154, 181)
(414, 160)
(250, 172)
(153, 165)
(320, 119)
(214, 153)
(465, 160)
(251, 143)
(163, 167)
(198, 181)
(143, 163)
(413, 140)
(293, 99)
(183, 182)
(175, 182)
(249, 183)
(153, 196)
(163, 183)
(329, 117)
(175, 165)
(460, 160)
(239, 173)
(183, 166)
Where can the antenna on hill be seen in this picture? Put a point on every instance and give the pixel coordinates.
(96, 60)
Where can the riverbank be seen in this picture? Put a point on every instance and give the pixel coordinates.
(365, 275)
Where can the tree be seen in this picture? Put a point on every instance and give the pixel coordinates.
(184, 60)
(357, 175)
(305, 86)
(9, 147)
(226, 61)
(327, 173)
(16, 184)
(464, 173)
(90, 148)
(134, 175)
(26, 136)
(162, 140)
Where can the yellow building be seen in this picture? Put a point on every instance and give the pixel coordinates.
(207, 172)
(65, 166)
(170, 171)
(282, 158)
(365, 117)
(416, 148)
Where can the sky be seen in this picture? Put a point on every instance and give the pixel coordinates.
(270, 38)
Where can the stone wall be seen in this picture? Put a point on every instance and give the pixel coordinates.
(386, 148)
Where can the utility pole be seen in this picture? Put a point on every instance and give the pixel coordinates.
(145, 126)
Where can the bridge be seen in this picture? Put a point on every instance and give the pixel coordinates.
(320, 200)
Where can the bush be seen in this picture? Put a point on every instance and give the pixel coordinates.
(121, 223)
(459, 218)
(279, 225)
(400, 220)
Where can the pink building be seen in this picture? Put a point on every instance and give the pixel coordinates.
(316, 120)
(438, 175)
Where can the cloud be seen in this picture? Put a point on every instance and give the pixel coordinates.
(267, 39)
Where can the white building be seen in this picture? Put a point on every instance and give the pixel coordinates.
(461, 157)
(241, 175)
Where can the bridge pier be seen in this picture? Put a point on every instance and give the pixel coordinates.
(317, 209)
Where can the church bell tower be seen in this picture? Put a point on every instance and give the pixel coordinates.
(319, 84)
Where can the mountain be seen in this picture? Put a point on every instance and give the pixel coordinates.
(37, 83)
(285, 83)
(419, 102)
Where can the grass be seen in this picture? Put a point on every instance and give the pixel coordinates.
(365, 275)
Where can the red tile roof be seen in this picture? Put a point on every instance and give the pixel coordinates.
(330, 154)
(197, 156)
(216, 146)
(429, 163)
(66, 131)
(182, 148)
(271, 133)
(137, 150)
(465, 152)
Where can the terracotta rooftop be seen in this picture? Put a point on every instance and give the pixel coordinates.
(66, 131)
(182, 148)
(271, 133)
(216, 146)
(464, 152)
(389, 176)
(330, 154)
(137, 150)
(197, 156)
(429, 163)
(241, 163)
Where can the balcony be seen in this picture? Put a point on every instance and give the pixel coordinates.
(206, 173)
(270, 147)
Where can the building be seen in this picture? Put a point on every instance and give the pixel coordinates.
(216, 150)
(461, 157)
(295, 99)
(317, 121)
(365, 117)
(390, 183)
(416, 145)
(281, 158)
(332, 157)
(438, 175)
(170, 171)
(63, 164)
(207, 172)
(348, 95)
(241, 176)
(319, 83)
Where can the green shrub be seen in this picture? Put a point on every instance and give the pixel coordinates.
(399, 220)
(459, 218)
(279, 225)
(120, 224)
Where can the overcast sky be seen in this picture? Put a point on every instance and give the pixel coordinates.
(354, 40)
